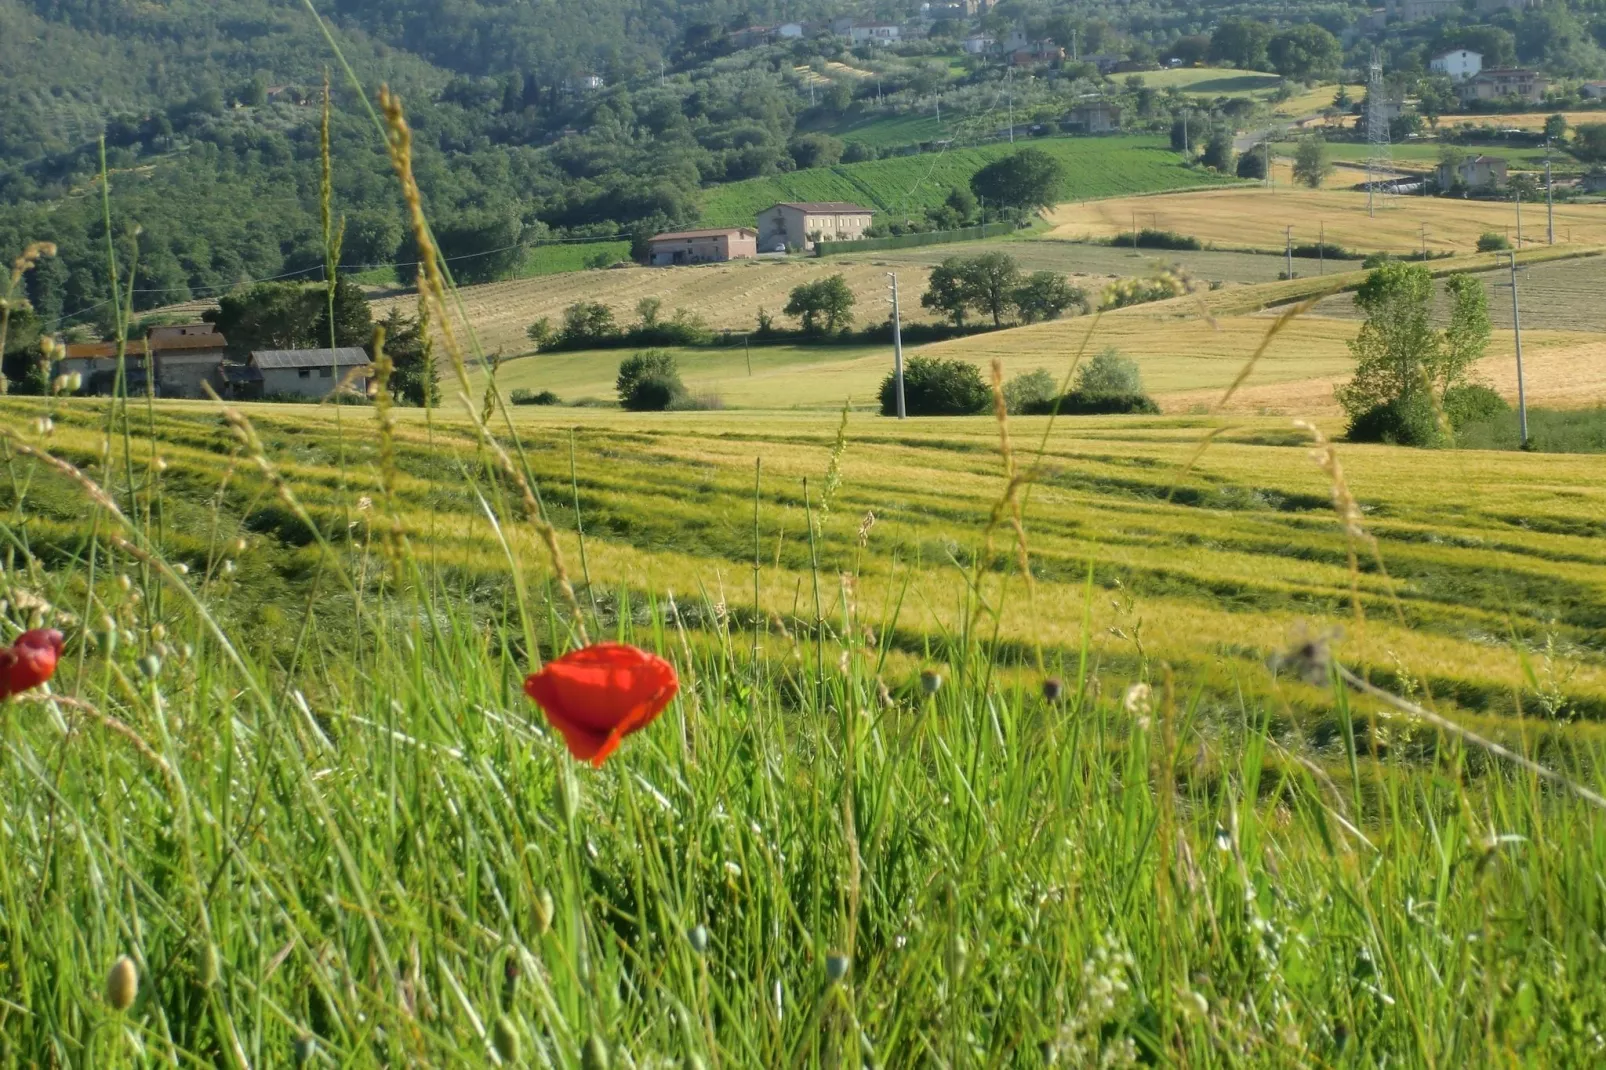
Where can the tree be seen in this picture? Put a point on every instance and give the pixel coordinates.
(1451, 159)
(1046, 295)
(1185, 136)
(292, 315)
(1396, 343)
(1191, 50)
(1033, 389)
(22, 369)
(1241, 42)
(414, 379)
(586, 322)
(838, 96)
(962, 202)
(815, 150)
(1589, 141)
(1109, 374)
(821, 306)
(1252, 164)
(648, 310)
(1029, 179)
(1218, 151)
(1305, 52)
(1466, 338)
(1556, 128)
(990, 283)
(649, 381)
(936, 387)
(946, 292)
(1311, 165)
(1492, 241)
(371, 237)
(481, 246)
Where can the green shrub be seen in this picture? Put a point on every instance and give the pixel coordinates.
(936, 387)
(1491, 241)
(1407, 421)
(1109, 373)
(530, 397)
(1077, 403)
(1149, 238)
(649, 381)
(1025, 391)
(1472, 403)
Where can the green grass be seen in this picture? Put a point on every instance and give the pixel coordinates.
(885, 131)
(1521, 158)
(1549, 431)
(304, 792)
(1213, 81)
(573, 256)
(1095, 167)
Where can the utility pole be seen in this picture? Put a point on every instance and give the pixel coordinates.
(1009, 88)
(1187, 146)
(897, 346)
(1516, 333)
(1288, 249)
(1424, 242)
(1519, 218)
(939, 111)
(1271, 181)
(1550, 204)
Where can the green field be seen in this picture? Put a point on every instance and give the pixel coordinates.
(1212, 81)
(557, 258)
(1082, 258)
(884, 131)
(1416, 153)
(1095, 167)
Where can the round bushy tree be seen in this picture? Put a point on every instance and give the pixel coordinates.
(649, 381)
(936, 387)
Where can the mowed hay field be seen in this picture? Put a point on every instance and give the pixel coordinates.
(1490, 556)
(1255, 218)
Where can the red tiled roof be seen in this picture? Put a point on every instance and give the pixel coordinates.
(712, 232)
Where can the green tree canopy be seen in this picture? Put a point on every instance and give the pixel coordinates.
(292, 315)
(1241, 42)
(1029, 179)
(1305, 52)
(822, 306)
(1311, 165)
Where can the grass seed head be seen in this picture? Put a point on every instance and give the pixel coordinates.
(1053, 689)
(836, 967)
(543, 912)
(930, 681)
(305, 1047)
(698, 937)
(594, 1056)
(122, 984)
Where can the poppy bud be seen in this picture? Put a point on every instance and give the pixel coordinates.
(698, 937)
(150, 665)
(543, 912)
(930, 681)
(209, 965)
(305, 1047)
(594, 1056)
(122, 984)
(505, 1039)
(836, 967)
(1053, 689)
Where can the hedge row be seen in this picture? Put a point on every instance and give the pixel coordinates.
(910, 241)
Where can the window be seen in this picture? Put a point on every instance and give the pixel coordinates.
(324, 373)
(305, 373)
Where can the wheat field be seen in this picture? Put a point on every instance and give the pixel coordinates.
(1256, 218)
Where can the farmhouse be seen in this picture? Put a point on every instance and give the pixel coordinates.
(1593, 90)
(702, 246)
(1458, 64)
(800, 224)
(876, 33)
(1475, 172)
(1497, 83)
(978, 44)
(1095, 117)
(184, 360)
(308, 373)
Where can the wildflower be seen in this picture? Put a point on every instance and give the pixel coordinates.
(1053, 689)
(599, 694)
(122, 984)
(1137, 700)
(930, 681)
(29, 661)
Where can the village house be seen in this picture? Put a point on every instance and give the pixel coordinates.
(875, 33)
(184, 360)
(1474, 172)
(791, 31)
(1593, 90)
(308, 373)
(1458, 64)
(1094, 117)
(710, 246)
(978, 44)
(1498, 83)
(798, 225)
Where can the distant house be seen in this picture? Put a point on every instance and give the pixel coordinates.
(798, 224)
(791, 30)
(978, 44)
(1475, 172)
(1095, 117)
(1594, 182)
(1498, 83)
(590, 83)
(308, 373)
(702, 246)
(1417, 10)
(1593, 90)
(184, 360)
(1039, 52)
(875, 33)
(1458, 64)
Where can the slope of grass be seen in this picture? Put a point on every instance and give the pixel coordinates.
(1213, 81)
(1094, 167)
(883, 131)
(304, 794)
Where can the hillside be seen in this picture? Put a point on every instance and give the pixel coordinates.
(1094, 167)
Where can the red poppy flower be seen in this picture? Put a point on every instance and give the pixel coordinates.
(29, 661)
(598, 695)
